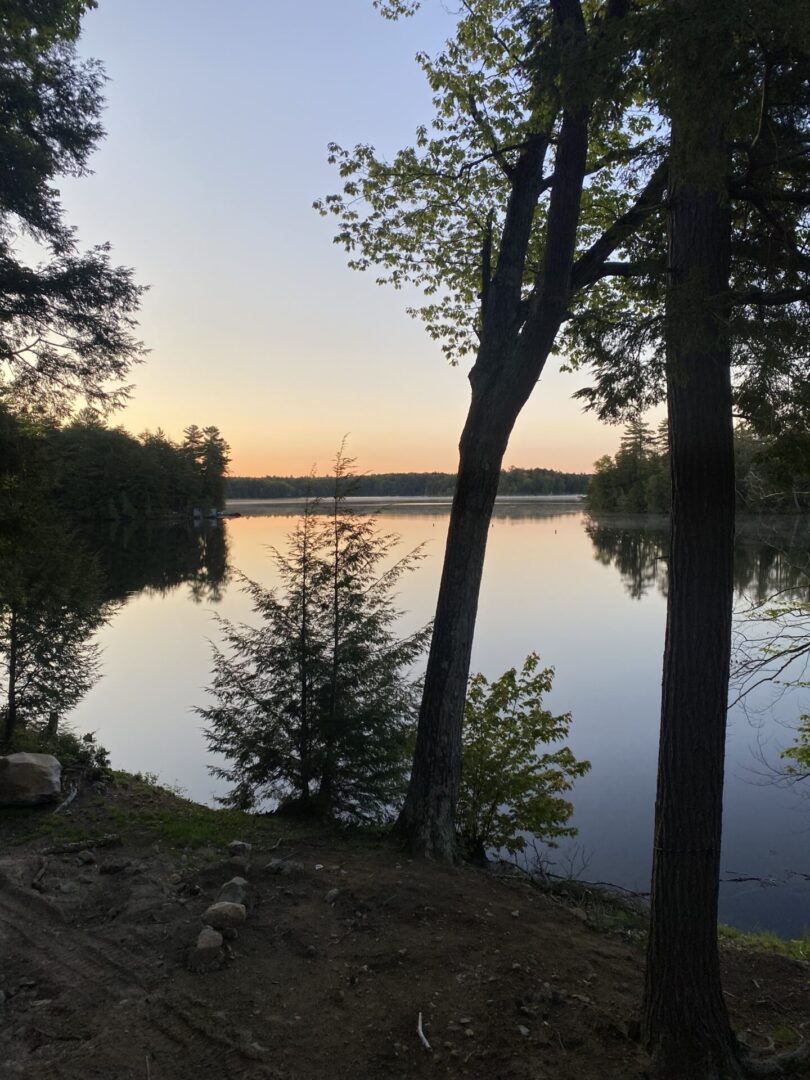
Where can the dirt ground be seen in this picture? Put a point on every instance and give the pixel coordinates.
(512, 982)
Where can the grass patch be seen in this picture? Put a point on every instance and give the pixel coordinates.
(143, 812)
(765, 941)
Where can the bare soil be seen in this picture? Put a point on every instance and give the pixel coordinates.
(512, 981)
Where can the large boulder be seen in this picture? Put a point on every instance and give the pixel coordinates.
(29, 779)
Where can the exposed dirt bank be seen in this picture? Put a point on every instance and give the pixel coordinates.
(512, 982)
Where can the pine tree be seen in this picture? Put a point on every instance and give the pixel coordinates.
(315, 706)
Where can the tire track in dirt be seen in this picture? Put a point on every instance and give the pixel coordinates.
(180, 1034)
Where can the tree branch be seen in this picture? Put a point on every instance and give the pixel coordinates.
(631, 269)
(497, 151)
(761, 298)
(587, 268)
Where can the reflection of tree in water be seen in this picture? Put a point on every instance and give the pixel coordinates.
(51, 604)
(638, 553)
(770, 559)
(59, 586)
(773, 560)
(159, 558)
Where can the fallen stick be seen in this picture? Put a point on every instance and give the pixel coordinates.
(66, 802)
(421, 1033)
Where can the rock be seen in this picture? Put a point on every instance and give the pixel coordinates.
(234, 891)
(239, 863)
(240, 848)
(524, 1031)
(224, 915)
(113, 867)
(207, 953)
(29, 779)
(85, 858)
(284, 866)
(332, 896)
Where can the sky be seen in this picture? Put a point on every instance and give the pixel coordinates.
(218, 117)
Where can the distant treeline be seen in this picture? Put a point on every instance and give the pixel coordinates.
(418, 485)
(773, 475)
(91, 471)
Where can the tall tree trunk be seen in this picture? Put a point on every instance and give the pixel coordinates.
(427, 821)
(503, 378)
(11, 699)
(686, 1025)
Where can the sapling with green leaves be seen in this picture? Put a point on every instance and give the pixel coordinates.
(510, 783)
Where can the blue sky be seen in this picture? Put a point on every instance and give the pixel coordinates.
(217, 122)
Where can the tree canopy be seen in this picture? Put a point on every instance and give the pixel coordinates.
(66, 315)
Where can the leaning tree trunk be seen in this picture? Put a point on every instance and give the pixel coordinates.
(686, 1025)
(427, 821)
(503, 378)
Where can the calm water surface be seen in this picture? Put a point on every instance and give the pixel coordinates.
(590, 599)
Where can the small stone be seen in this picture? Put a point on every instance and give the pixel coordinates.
(319, 866)
(284, 866)
(234, 891)
(85, 858)
(469, 1032)
(239, 848)
(225, 915)
(332, 896)
(515, 914)
(207, 953)
(524, 1031)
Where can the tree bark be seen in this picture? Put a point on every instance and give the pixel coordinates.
(685, 1021)
(11, 698)
(427, 821)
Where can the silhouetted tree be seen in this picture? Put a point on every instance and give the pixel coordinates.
(66, 324)
(314, 706)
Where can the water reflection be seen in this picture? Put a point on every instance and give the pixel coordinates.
(772, 558)
(158, 558)
(60, 583)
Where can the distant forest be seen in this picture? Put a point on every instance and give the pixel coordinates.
(414, 484)
(90, 471)
(773, 475)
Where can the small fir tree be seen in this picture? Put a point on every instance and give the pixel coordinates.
(315, 706)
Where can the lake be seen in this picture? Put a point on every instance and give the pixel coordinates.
(589, 598)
